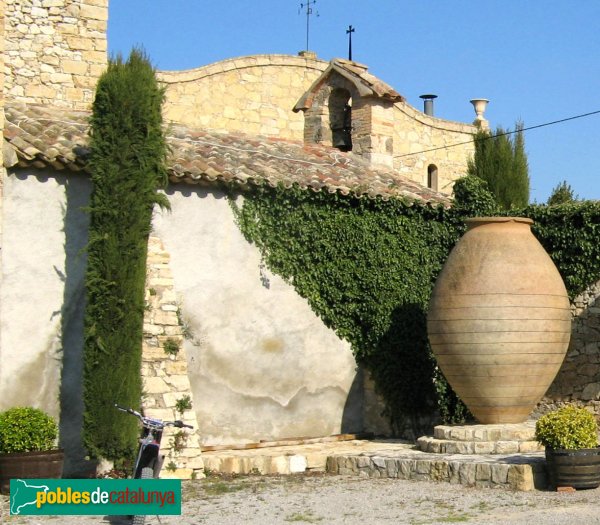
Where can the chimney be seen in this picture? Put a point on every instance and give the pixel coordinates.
(428, 104)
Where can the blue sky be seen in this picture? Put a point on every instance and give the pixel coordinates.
(536, 60)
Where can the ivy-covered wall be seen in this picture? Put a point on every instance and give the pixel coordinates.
(367, 268)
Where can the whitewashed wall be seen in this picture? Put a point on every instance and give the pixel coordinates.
(41, 296)
(262, 365)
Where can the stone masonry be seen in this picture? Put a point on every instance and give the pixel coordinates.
(2, 170)
(164, 369)
(385, 130)
(55, 50)
(386, 459)
(415, 132)
(253, 95)
(579, 377)
(516, 472)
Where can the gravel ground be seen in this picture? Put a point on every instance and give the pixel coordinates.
(326, 499)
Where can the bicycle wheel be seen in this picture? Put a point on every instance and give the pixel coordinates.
(147, 473)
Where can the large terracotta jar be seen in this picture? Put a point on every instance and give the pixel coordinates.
(499, 320)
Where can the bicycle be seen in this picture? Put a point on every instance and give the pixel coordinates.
(149, 461)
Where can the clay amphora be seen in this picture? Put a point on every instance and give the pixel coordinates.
(499, 319)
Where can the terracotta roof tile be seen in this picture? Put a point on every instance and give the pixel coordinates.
(46, 136)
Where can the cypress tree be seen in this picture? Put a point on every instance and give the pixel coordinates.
(128, 166)
(502, 162)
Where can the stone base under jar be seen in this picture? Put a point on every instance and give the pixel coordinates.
(482, 439)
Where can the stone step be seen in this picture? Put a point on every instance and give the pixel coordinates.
(288, 459)
(516, 472)
(446, 446)
(264, 464)
(386, 459)
(501, 432)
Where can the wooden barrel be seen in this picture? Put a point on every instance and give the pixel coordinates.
(499, 319)
(579, 469)
(29, 465)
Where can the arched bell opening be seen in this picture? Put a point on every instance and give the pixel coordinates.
(340, 119)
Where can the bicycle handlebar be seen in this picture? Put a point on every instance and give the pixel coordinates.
(146, 420)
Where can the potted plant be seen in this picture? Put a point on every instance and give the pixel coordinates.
(570, 436)
(28, 450)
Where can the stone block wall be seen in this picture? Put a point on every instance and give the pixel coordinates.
(579, 377)
(54, 50)
(388, 132)
(253, 95)
(2, 171)
(165, 374)
(415, 132)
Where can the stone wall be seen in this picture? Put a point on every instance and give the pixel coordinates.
(385, 130)
(415, 132)
(253, 95)
(579, 377)
(165, 373)
(2, 170)
(55, 50)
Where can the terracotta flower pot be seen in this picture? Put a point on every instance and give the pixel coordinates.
(499, 319)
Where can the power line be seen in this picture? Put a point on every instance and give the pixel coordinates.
(511, 132)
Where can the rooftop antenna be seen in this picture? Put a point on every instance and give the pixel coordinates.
(309, 11)
(349, 32)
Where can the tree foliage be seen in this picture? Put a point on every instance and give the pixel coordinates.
(501, 161)
(562, 194)
(128, 153)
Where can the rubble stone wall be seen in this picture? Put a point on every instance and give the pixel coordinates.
(578, 380)
(165, 374)
(55, 50)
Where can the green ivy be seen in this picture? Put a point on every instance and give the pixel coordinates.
(367, 268)
(569, 233)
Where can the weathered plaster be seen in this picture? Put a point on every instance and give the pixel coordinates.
(262, 365)
(42, 283)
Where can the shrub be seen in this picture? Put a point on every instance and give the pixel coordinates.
(567, 428)
(26, 429)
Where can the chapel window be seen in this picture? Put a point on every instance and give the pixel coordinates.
(432, 177)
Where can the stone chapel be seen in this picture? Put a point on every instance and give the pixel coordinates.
(255, 360)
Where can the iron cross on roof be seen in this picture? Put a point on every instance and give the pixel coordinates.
(349, 32)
